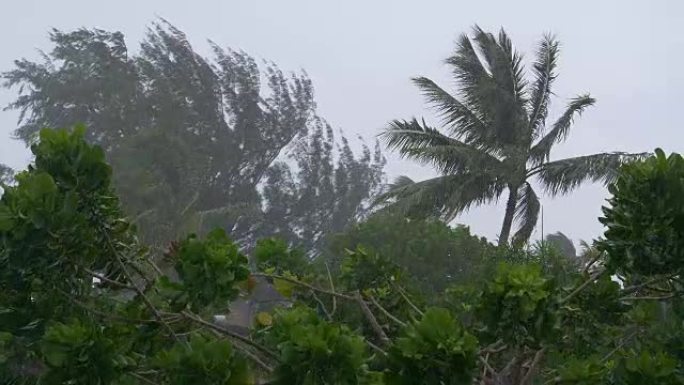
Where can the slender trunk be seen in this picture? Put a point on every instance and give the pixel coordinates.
(510, 213)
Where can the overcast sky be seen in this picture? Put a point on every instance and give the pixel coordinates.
(362, 54)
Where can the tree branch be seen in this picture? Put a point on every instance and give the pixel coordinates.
(371, 319)
(332, 289)
(228, 333)
(304, 284)
(530, 371)
(634, 288)
(385, 312)
(403, 295)
(581, 287)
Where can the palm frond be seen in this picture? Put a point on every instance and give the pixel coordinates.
(544, 66)
(461, 120)
(476, 88)
(402, 135)
(541, 150)
(505, 96)
(526, 214)
(563, 176)
(400, 181)
(441, 197)
(455, 159)
(427, 145)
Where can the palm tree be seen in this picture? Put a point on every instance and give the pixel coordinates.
(496, 137)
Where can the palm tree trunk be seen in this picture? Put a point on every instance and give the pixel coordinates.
(510, 213)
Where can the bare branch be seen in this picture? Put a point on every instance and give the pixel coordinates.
(385, 312)
(228, 333)
(581, 287)
(304, 284)
(371, 319)
(532, 368)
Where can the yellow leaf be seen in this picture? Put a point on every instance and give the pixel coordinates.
(264, 319)
(283, 287)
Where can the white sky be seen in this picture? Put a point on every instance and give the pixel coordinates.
(361, 55)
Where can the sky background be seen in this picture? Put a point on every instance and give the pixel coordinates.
(362, 54)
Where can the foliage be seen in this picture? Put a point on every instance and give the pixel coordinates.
(417, 246)
(78, 353)
(316, 352)
(210, 269)
(203, 360)
(82, 302)
(193, 139)
(435, 350)
(517, 305)
(77, 303)
(497, 138)
(364, 270)
(645, 214)
(272, 254)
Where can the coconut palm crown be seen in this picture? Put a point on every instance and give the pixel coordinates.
(495, 137)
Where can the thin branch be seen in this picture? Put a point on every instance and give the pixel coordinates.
(142, 295)
(634, 288)
(403, 294)
(229, 333)
(142, 378)
(493, 348)
(322, 305)
(304, 284)
(581, 287)
(651, 298)
(102, 313)
(376, 347)
(487, 367)
(155, 267)
(332, 288)
(385, 312)
(371, 319)
(530, 371)
(247, 353)
(591, 262)
(619, 346)
(102, 277)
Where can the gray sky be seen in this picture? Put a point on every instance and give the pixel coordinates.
(361, 55)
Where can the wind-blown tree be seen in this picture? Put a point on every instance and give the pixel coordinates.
(562, 243)
(190, 138)
(496, 137)
(328, 191)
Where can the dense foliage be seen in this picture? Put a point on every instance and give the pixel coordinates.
(417, 246)
(83, 303)
(198, 142)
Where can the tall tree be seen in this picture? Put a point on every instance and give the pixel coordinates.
(496, 137)
(327, 192)
(190, 138)
(562, 243)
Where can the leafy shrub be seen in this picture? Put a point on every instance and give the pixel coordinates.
(210, 269)
(646, 216)
(274, 254)
(418, 246)
(433, 350)
(517, 305)
(203, 360)
(315, 352)
(364, 270)
(78, 353)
